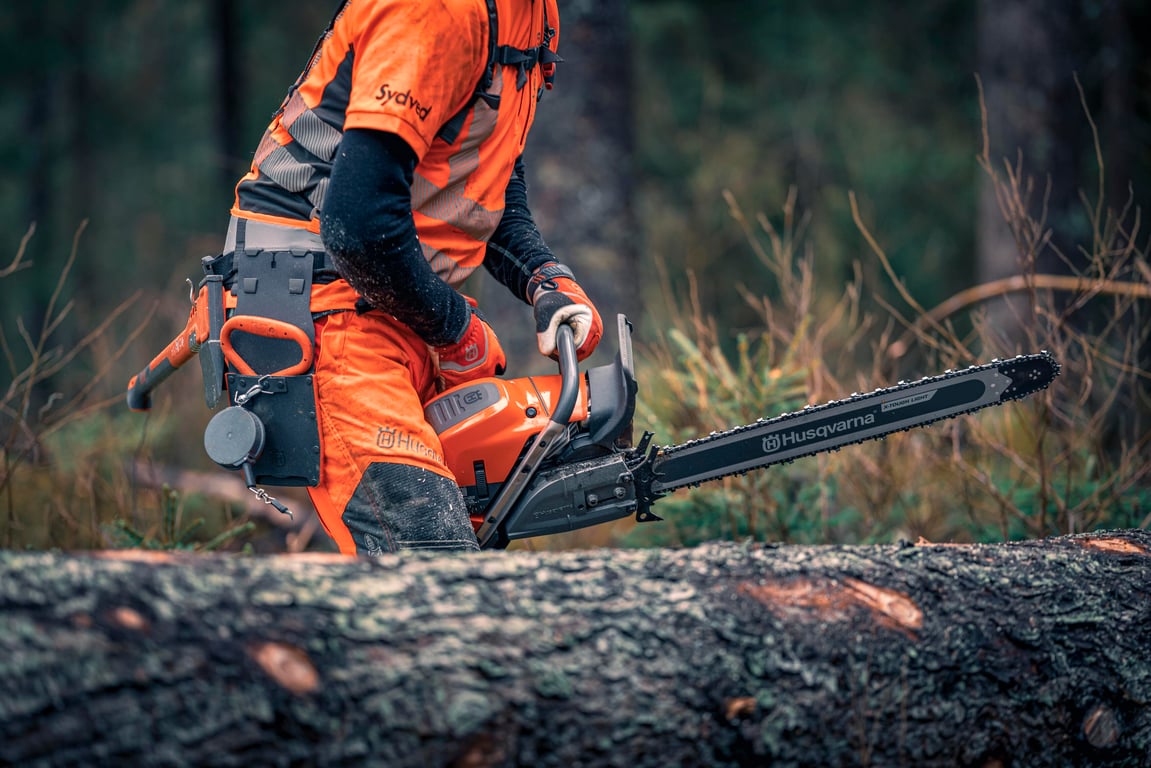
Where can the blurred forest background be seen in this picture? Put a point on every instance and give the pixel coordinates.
(779, 195)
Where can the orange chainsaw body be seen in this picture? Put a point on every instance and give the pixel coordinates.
(486, 425)
(543, 454)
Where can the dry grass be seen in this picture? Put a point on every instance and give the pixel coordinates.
(1071, 459)
(74, 465)
(69, 448)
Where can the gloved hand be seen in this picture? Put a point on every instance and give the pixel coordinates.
(557, 299)
(477, 354)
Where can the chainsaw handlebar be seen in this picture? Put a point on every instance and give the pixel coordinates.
(569, 372)
(510, 492)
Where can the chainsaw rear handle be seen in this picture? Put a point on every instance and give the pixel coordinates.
(522, 473)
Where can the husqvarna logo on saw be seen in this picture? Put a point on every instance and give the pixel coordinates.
(795, 437)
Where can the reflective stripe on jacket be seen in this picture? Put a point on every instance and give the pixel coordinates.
(408, 67)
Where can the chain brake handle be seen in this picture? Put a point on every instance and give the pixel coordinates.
(268, 328)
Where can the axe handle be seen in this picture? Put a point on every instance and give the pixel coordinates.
(179, 351)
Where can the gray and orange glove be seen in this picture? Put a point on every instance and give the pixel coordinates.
(557, 299)
(476, 355)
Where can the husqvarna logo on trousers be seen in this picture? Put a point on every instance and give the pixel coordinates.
(390, 438)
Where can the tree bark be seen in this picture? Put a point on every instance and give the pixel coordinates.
(1023, 654)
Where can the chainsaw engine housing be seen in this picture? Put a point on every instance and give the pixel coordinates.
(485, 426)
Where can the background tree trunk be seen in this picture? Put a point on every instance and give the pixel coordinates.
(1028, 57)
(1034, 57)
(229, 90)
(1029, 654)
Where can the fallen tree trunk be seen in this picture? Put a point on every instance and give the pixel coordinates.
(1030, 653)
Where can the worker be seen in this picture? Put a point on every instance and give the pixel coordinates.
(396, 162)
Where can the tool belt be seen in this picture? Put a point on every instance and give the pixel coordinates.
(269, 431)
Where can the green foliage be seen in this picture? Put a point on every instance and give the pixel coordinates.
(68, 460)
(696, 390)
(758, 97)
(704, 381)
(114, 115)
(171, 536)
(692, 386)
(1071, 459)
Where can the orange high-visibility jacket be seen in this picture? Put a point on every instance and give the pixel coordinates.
(408, 67)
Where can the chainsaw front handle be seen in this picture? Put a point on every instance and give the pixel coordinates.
(569, 375)
(525, 469)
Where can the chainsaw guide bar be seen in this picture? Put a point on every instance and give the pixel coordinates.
(839, 423)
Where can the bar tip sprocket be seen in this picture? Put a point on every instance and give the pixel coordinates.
(1029, 374)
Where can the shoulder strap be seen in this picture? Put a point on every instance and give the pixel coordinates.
(450, 131)
(523, 59)
(527, 58)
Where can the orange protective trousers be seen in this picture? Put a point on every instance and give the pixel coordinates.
(384, 483)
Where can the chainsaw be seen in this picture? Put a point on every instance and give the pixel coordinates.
(548, 454)
(541, 455)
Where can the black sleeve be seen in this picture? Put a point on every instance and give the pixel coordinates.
(516, 249)
(367, 227)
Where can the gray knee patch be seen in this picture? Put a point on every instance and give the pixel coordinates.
(397, 506)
